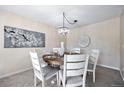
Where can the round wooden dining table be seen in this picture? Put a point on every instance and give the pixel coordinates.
(53, 60)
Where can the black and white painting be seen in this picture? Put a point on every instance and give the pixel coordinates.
(20, 38)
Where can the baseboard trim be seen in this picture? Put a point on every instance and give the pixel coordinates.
(16, 72)
(114, 68)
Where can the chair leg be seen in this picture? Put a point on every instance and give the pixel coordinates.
(63, 82)
(93, 76)
(57, 78)
(43, 84)
(83, 81)
(59, 83)
(83, 85)
(35, 80)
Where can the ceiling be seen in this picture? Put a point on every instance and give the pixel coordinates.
(52, 15)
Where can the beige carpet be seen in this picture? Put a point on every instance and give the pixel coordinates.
(104, 78)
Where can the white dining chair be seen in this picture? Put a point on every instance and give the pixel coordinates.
(76, 50)
(42, 73)
(74, 70)
(40, 57)
(93, 62)
(59, 51)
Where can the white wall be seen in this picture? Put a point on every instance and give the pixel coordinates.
(105, 36)
(122, 44)
(16, 59)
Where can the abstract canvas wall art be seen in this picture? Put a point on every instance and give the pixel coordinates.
(21, 38)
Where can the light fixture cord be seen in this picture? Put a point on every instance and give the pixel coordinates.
(63, 19)
(67, 19)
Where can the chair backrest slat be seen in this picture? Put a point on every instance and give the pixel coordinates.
(75, 64)
(75, 72)
(76, 50)
(75, 58)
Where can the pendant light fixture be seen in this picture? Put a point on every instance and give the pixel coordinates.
(65, 30)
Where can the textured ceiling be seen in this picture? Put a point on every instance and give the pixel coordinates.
(52, 15)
